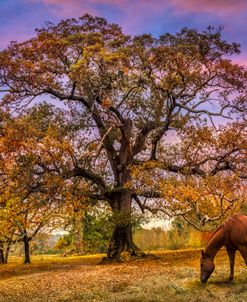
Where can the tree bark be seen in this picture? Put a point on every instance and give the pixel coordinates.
(122, 239)
(7, 253)
(2, 260)
(26, 250)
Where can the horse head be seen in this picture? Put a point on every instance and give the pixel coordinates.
(207, 267)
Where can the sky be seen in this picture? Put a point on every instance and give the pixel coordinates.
(19, 18)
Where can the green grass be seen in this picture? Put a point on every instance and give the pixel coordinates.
(169, 276)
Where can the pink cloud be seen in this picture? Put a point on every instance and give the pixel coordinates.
(209, 6)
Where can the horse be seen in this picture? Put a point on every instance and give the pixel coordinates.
(233, 235)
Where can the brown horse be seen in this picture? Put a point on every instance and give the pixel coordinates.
(232, 234)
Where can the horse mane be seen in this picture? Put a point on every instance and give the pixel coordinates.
(215, 231)
(226, 228)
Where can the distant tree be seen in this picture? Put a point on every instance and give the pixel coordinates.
(151, 239)
(98, 227)
(42, 243)
(127, 95)
(64, 243)
(73, 216)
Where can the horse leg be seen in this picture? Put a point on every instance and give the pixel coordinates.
(243, 252)
(231, 254)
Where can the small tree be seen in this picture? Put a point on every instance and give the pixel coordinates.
(30, 201)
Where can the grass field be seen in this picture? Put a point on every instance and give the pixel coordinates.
(169, 276)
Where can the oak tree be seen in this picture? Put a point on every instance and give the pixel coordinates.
(127, 95)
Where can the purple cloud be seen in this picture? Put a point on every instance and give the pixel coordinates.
(66, 8)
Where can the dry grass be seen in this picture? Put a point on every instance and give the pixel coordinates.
(170, 276)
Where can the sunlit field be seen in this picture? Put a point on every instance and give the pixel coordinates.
(163, 276)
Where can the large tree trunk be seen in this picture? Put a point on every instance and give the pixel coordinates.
(122, 239)
(26, 250)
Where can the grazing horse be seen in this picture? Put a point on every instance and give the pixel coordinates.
(233, 235)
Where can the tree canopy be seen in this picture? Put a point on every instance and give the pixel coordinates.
(152, 123)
